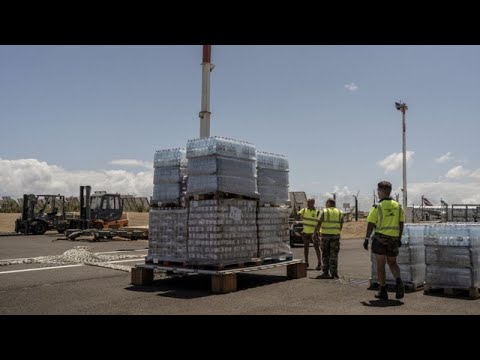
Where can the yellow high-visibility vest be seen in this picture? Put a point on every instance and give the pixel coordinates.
(386, 216)
(332, 218)
(309, 220)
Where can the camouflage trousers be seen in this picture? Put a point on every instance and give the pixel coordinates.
(330, 246)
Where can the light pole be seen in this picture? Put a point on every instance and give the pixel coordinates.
(401, 106)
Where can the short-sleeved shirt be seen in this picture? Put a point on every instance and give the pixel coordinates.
(387, 216)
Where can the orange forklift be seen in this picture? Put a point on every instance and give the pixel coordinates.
(99, 211)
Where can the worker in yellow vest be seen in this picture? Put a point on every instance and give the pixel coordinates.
(330, 225)
(387, 218)
(309, 216)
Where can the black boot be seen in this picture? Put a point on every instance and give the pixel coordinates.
(382, 294)
(400, 289)
(324, 275)
(334, 275)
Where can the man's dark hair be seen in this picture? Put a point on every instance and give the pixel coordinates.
(331, 202)
(385, 186)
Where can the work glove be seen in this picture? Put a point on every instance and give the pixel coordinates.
(399, 240)
(365, 244)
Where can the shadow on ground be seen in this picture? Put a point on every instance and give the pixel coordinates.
(196, 286)
(382, 303)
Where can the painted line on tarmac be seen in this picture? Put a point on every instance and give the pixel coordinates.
(124, 260)
(38, 269)
(98, 253)
(118, 251)
(65, 266)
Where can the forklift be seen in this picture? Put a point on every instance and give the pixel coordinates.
(41, 213)
(99, 211)
(101, 217)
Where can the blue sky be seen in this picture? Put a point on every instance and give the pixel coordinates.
(76, 114)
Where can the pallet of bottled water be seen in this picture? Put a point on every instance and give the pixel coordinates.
(269, 177)
(452, 255)
(273, 232)
(273, 195)
(272, 161)
(221, 165)
(208, 184)
(222, 231)
(412, 275)
(170, 157)
(168, 174)
(169, 177)
(167, 193)
(167, 238)
(220, 146)
(272, 178)
(410, 259)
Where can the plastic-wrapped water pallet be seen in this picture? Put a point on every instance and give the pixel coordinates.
(273, 232)
(168, 174)
(222, 231)
(204, 184)
(453, 256)
(167, 238)
(167, 193)
(410, 259)
(410, 274)
(222, 147)
(413, 234)
(221, 165)
(272, 161)
(170, 157)
(461, 257)
(274, 195)
(453, 234)
(413, 254)
(271, 177)
(450, 277)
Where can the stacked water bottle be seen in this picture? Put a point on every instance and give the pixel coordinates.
(219, 164)
(272, 221)
(452, 256)
(167, 235)
(170, 170)
(222, 231)
(411, 258)
(273, 232)
(272, 178)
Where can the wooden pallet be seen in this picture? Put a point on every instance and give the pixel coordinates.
(222, 281)
(409, 287)
(273, 260)
(470, 293)
(221, 266)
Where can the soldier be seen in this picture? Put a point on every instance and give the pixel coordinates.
(387, 218)
(330, 225)
(309, 217)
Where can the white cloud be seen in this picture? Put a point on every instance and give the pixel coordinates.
(444, 158)
(475, 174)
(351, 87)
(24, 176)
(345, 191)
(132, 162)
(394, 161)
(450, 192)
(457, 172)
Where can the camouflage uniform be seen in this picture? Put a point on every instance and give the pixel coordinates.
(330, 245)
